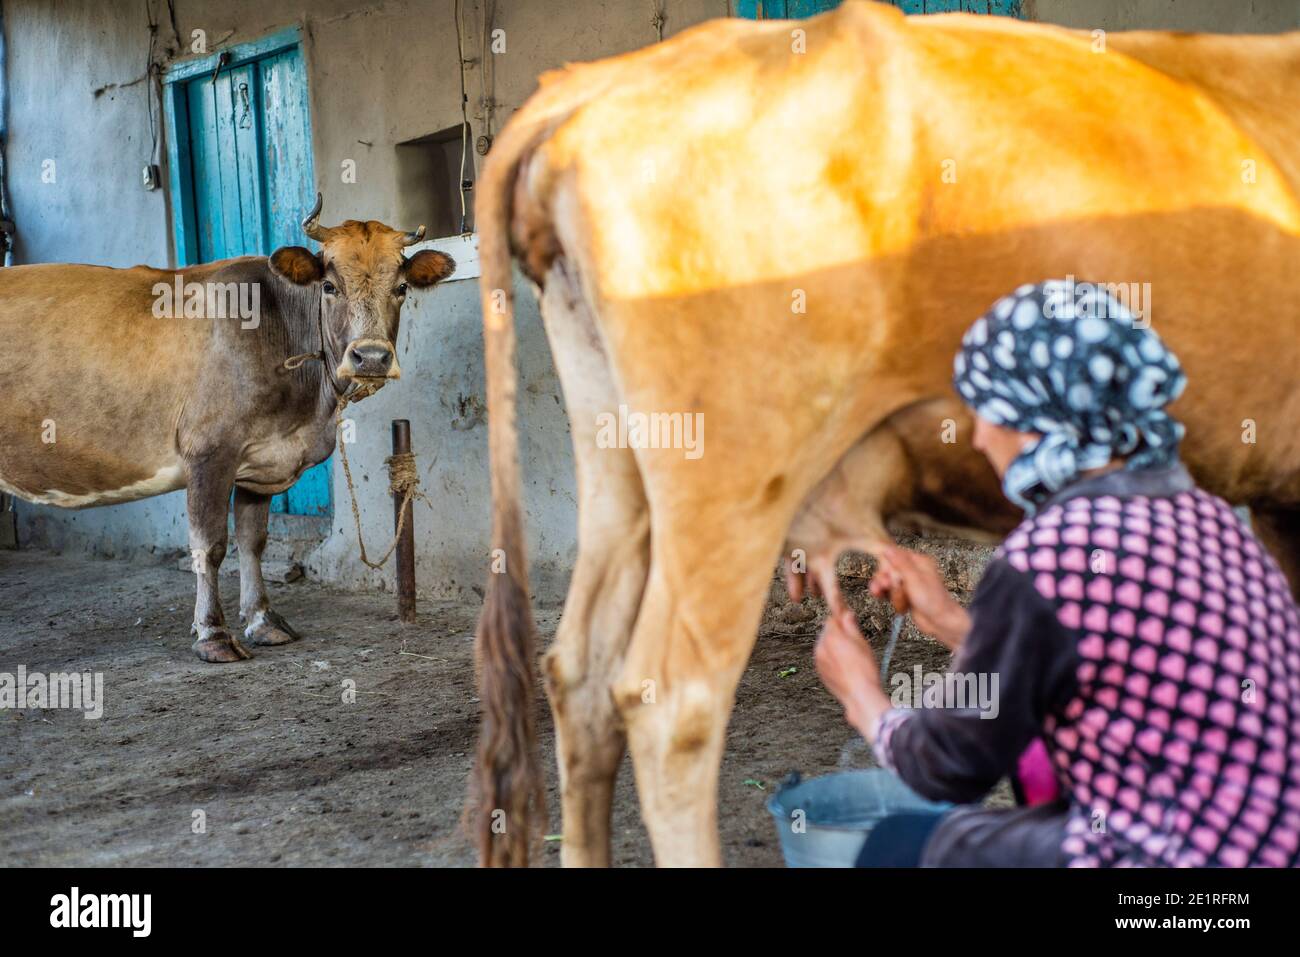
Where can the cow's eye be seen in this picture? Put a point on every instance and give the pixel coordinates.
(328, 288)
(400, 290)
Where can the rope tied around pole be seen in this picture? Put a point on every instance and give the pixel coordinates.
(403, 480)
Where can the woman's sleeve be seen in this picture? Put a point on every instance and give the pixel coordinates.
(1024, 664)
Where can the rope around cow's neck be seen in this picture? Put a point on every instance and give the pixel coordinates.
(322, 355)
(294, 362)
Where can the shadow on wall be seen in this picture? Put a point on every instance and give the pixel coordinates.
(150, 528)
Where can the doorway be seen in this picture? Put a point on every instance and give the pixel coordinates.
(239, 129)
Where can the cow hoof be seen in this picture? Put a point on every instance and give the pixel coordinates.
(220, 647)
(268, 628)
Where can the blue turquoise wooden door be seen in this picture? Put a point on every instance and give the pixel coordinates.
(797, 9)
(250, 154)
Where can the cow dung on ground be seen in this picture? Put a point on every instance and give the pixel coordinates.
(285, 773)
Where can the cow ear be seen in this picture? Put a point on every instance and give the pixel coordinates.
(296, 264)
(427, 267)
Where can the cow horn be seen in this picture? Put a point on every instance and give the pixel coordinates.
(311, 225)
(413, 238)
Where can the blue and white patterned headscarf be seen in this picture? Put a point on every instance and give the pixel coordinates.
(1070, 361)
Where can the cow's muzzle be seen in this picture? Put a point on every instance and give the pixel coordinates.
(369, 359)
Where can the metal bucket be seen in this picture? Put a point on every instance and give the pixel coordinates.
(823, 822)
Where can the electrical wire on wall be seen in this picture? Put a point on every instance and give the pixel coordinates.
(464, 121)
(153, 69)
(487, 77)
(6, 215)
(151, 72)
(487, 103)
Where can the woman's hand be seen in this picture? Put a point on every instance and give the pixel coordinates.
(849, 670)
(913, 583)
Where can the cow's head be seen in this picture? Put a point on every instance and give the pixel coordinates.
(361, 276)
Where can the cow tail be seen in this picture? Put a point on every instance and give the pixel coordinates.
(507, 781)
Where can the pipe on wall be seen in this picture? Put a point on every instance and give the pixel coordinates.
(6, 215)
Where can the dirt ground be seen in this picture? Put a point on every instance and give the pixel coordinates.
(286, 773)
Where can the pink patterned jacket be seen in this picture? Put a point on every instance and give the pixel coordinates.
(1150, 640)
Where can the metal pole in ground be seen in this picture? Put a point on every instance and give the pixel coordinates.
(406, 543)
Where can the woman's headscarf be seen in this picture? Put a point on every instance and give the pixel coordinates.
(1072, 362)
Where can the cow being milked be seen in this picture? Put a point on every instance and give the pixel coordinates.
(785, 228)
(135, 382)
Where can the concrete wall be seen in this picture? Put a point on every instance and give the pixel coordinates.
(441, 392)
(1213, 16)
(380, 73)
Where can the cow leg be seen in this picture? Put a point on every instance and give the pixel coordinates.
(262, 625)
(581, 665)
(696, 628)
(1279, 530)
(605, 591)
(207, 497)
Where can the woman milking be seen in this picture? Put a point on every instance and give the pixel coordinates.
(1147, 648)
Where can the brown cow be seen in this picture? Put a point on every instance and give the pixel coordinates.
(789, 238)
(135, 382)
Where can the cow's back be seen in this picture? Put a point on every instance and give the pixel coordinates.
(96, 384)
(863, 189)
(1254, 79)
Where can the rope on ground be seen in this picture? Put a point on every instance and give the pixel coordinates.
(403, 479)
